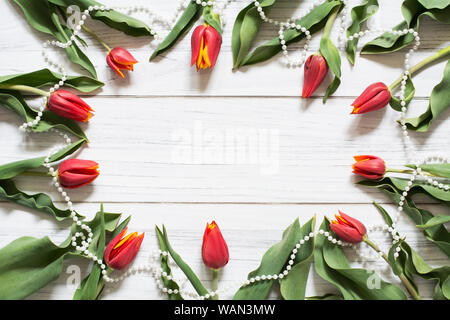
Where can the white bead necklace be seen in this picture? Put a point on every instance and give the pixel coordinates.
(83, 238)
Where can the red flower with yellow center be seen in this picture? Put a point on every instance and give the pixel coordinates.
(122, 250)
(205, 46)
(348, 228)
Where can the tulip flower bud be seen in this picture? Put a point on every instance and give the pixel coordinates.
(348, 228)
(205, 46)
(316, 69)
(122, 250)
(120, 59)
(369, 167)
(68, 105)
(75, 173)
(214, 250)
(375, 97)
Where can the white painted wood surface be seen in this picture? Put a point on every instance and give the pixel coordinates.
(182, 148)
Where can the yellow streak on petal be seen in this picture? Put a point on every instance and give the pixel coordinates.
(121, 242)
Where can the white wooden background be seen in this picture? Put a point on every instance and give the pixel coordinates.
(143, 122)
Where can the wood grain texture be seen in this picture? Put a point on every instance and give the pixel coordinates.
(182, 148)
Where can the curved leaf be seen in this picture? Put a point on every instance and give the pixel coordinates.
(359, 15)
(169, 284)
(28, 264)
(410, 90)
(437, 169)
(111, 18)
(245, 29)
(273, 262)
(439, 102)
(43, 17)
(10, 170)
(192, 277)
(39, 201)
(331, 54)
(183, 25)
(435, 221)
(313, 21)
(45, 77)
(293, 286)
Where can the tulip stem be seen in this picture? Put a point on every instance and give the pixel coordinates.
(409, 172)
(443, 53)
(96, 37)
(330, 22)
(20, 87)
(402, 276)
(215, 282)
(35, 174)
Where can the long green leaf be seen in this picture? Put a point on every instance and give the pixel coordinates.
(169, 284)
(43, 17)
(192, 277)
(111, 18)
(183, 25)
(45, 77)
(293, 286)
(313, 21)
(439, 102)
(333, 58)
(39, 201)
(272, 262)
(359, 15)
(245, 29)
(10, 170)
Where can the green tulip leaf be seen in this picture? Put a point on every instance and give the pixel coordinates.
(413, 12)
(435, 221)
(12, 169)
(359, 15)
(43, 17)
(29, 264)
(112, 18)
(410, 90)
(313, 21)
(331, 54)
(354, 284)
(45, 77)
(436, 169)
(92, 286)
(169, 284)
(14, 101)
(438, 103)
(293, 286)
(183, 25)
(39, 201)
(435, 4)
(192, 277)
(245, 29)
(438, 234)
(273, 262)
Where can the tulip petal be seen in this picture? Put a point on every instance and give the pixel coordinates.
(76, 164)
(379, 101)
(369, 93)
(112, 244)
(113, 66)
(316, 69)
(122, 56)
(196, 43)
(354, 223)
(213, 41)
(346, 233)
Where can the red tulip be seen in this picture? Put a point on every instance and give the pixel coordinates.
(75, 173)
(214, 250)
(122, 250)
(68, 105)
(369, 167)
(348, 229)
(316, 69)
(120, 59)
(375, 97)
(205, 46)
